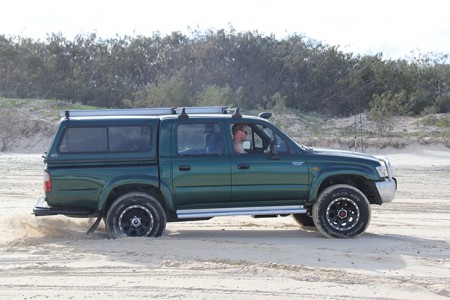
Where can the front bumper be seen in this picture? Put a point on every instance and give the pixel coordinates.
(387, 189)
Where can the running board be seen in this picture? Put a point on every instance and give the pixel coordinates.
(240, 211)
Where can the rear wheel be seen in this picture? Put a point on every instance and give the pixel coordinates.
(135, 214)
(341, 211)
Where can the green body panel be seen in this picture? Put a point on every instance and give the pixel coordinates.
(131, 178)
(165, 164)
(207, 181)
(258, 178)
(89, 186)
(326, 163)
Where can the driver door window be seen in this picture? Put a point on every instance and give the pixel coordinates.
(262, 139)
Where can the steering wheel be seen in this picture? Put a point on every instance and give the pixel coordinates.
(269, 145)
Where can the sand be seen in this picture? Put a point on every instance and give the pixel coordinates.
(405, 253)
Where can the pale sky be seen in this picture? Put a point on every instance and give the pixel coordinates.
(394, 27)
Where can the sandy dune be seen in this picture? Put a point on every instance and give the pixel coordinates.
(405, 253)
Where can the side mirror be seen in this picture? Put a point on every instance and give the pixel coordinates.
(265, 115)
(247, 145)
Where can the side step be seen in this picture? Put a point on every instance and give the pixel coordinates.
(240, 211)
(42, 209)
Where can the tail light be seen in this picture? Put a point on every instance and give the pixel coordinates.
(47, 182)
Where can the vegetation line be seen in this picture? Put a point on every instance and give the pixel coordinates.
(244, 69)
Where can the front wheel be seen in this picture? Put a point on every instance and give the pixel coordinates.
(341, 211)
(135, 214)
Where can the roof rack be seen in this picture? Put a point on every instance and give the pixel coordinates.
(147, 111)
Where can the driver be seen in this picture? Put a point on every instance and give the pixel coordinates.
(240, 132)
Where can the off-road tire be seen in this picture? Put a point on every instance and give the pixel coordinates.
(341, 211)
(135, 214)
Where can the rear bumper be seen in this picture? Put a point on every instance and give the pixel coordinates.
(387, 189)
(43, 209)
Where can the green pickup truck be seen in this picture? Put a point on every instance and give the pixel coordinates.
(137, 169)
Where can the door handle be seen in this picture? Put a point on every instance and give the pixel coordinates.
(184, 168)
(243, 166)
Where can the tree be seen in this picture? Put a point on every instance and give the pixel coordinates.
(383, 109)
(168, 92)
(217, 96)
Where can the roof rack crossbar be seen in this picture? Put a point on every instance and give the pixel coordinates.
(146, 111)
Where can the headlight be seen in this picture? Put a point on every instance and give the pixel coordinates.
(382, 171)
(385, 169)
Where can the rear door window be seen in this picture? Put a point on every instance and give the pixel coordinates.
(199, 138)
